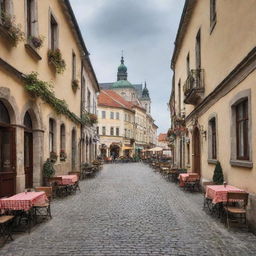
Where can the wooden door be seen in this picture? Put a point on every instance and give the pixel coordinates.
(7, 161)
(28, 159)
(196, 151)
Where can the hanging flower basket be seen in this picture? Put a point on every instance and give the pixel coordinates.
(55, 58)
(63, 155)
(75, 85)
(11, 29)
(53, 156)
(93, 118)
(37, 41)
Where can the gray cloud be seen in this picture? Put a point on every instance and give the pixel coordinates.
(145, 30)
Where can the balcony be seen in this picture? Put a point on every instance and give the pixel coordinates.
(194, 87)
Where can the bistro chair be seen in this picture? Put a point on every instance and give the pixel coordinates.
(192, 183)
(5, 227)
(57, 187)
(237, 210)
(46, 206)
(207, 201)
(76, 185)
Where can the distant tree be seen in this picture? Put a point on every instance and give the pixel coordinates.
(218, 174)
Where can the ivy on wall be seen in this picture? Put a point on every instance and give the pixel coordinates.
(44, 90)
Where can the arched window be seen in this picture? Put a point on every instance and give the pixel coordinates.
(62, 138)
(51, 135)
(212, 131)
(27, 121)
(4, 115)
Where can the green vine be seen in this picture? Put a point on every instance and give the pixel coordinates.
(89, 118)
(55, 57)
(43, 90)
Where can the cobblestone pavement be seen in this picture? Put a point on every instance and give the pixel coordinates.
(130, 210)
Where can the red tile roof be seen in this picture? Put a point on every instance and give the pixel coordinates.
(109, 98)
(162, 137)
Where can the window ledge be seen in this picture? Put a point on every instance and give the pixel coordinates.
(240, 163)
(212, 161)
(7, 35)
(32, 51)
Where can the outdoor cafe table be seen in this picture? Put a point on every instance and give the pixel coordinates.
(23, 201)
(68, 179)
(218, 193)
(184, 176)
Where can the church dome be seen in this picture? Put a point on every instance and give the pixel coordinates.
(122, 68)
(122, 84)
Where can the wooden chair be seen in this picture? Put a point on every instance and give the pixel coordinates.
(58, 189)
(238, 210)
(5, 227)
(38, 207)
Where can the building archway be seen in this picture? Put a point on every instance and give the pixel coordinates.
(114, 150)
(7, 151)
(196, 156)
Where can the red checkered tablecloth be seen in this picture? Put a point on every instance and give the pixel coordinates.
(68, 179)
(218, 193)
(184, 176)
(23, 201)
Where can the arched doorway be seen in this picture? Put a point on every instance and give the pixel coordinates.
(7, 154)
(196, 151)
(73, 150)
(114, 150)
(28, 151)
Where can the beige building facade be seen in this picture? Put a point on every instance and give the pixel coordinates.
(213, 92)
(44, 67)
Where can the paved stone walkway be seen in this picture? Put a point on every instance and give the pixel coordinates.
(130, 210)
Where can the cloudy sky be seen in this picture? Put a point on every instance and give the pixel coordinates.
(145, 31)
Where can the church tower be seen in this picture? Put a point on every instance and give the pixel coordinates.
(145, 99)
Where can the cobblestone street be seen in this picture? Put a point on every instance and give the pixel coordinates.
(128, 209)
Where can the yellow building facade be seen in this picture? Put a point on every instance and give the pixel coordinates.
(44, 66)
(213, 92)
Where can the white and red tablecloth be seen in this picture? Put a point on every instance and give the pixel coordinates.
(218, 193)
(183, 177)
(68, 179)
(23, 201)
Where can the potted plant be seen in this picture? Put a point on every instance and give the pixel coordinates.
(55, 58)
(36, 41)
(93, 118)
(63, 155)
(48, 170)
(12, 30)
(218, 174)
(53, 156)
(75, 85)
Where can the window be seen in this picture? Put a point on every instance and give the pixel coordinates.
(112, 131)
(212, 13)
(111, 115)
(31, 18)
(125, 132)
(62, 138)
(242, 130)
(128, 133)
(103, 114)
(198, 50)
(103, 130)
(51, 135)
(117, 131)
(117, 115)
(188, 65)
(88, 100)
(97, 130)
(53, 34)
(125, 117)
(129, 118)
(212, 139)
(179, 95)
(4, 114)
(73, 66)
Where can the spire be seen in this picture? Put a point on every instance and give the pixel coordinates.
(145, 85)
(122, 70)
(122, 58)
(145, 92)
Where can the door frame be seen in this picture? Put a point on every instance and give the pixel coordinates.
(196, 155)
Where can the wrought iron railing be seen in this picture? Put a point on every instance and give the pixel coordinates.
(195, 80)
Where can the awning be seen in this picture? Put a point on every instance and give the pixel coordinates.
(156, 149)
